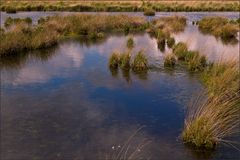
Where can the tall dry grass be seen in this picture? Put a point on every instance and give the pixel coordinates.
(215, 116)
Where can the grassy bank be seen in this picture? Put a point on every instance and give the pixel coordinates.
(21, 35)
(119, 6)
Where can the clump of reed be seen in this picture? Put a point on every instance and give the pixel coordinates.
(170, 42)
(130, 43)
(194, 61)
(114, 60)
(124, 61)
(140, 62)
(209, 121)
(180, 50)
(149, 12)
(214, 116)
(170, 61)
(220, 77)
(219, 27)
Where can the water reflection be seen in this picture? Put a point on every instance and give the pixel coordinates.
(19, 60)
(208, 45)
(67, 104)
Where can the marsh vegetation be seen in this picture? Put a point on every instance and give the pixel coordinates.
(119, 6)
(211, 120)
(24, 36)
(219, 27)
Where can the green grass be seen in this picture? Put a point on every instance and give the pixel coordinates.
(214, 116)
(140, 62)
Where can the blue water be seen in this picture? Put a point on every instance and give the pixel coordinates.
(64, 102)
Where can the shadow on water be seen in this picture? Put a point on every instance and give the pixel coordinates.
(127, 73)
(200, 153)
(143, 75)
(225, 41)
(16, 61)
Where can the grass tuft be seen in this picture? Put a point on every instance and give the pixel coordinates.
(130, 43)
(114, 60)
(140, 62)
(124, 60)
(170, 61)
(180, 50)
(214, 116)
(170, 42)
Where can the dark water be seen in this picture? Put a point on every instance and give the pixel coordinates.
(64, 103)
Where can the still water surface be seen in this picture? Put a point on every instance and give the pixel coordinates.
(64, 102)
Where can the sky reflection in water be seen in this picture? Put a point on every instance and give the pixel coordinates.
(64, 103)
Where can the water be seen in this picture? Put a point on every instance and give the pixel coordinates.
(191, 16)
(64, 102)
